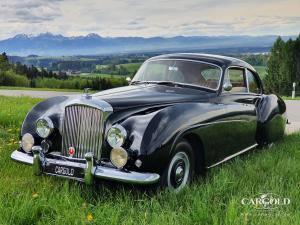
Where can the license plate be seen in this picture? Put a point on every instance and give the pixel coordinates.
(64, 171)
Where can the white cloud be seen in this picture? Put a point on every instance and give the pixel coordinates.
(150, 18)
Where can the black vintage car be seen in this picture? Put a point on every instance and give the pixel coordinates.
(181, 114)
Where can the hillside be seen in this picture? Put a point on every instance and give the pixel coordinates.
(53, 45)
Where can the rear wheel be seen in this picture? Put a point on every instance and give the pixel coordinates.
(180, 169)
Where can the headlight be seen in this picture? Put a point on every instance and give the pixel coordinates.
(118, 157)
(27, 142)
(116, 136)
(44, 127)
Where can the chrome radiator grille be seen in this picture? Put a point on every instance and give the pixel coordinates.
(82, 129)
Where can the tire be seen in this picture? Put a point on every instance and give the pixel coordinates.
(180, 169)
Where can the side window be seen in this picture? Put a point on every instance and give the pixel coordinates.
(252, 82)
(211, 77)
(237, 79)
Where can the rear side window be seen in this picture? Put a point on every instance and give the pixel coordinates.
(237, 79)
(252, 83)
(212, 77)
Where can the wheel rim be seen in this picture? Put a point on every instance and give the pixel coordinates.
(179, 171)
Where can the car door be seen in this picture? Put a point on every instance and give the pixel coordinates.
(240, 105)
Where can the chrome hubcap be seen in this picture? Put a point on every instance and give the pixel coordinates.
(178, 172)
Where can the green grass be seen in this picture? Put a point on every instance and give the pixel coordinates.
(27, 199)
(290, 98)
(261, 70)
(37, 89)
(132, 67)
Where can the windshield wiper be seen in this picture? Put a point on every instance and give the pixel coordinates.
(139, 82)
(167, 83)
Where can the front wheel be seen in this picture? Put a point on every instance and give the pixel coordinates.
(180, 169)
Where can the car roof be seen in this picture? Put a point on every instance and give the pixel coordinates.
(219, 60)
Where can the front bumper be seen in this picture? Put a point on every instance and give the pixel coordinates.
(91, 171)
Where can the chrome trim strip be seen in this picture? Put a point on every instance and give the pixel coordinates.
(65, 163)
(101, 172)
(91, 102)
(232, 156)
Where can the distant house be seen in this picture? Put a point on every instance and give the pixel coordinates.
(73, 72)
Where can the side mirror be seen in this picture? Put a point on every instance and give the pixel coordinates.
(227, 86)
(128, 79)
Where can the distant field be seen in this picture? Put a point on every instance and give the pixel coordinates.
(100, 75)
(290, 97)
(38, 89)
(132, 67)
(261, 70)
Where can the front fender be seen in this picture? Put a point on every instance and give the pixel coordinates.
(51, 107)
(153, 135)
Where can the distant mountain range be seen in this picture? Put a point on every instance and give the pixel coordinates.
(92, 44)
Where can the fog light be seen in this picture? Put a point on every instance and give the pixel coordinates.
(27, 142)
(118, 157)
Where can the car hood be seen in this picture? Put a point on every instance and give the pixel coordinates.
(150, 95)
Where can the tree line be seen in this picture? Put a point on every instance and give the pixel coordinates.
(30, 76)
(283, 66)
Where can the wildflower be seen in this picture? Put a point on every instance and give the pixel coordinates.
(90, 217)
(84, 205)
(35, 195)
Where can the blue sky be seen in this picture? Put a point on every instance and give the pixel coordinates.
(150, 18)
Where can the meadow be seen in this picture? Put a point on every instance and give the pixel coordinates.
(215, 199)
(261, 70)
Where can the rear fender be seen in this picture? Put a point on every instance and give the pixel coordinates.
(271, 119)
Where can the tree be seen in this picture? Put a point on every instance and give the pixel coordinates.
(4, 56)
(274, 78)
(283, 66)
(4, 63)
(287, 67)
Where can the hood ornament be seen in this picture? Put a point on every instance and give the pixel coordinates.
(86, 93)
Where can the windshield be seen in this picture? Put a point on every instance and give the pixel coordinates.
(179, 71)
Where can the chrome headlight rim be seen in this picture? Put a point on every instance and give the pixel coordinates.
(27, 138)
(49, 126)
(116, 160)
(123, 134)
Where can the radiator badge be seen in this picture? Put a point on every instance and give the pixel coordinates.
(71, 151)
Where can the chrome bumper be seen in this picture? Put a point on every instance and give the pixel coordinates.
(91, 171)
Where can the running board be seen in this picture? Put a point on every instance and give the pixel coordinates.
(232, 156)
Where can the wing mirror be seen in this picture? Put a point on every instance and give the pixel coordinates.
(227, 86)
(128, 79)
